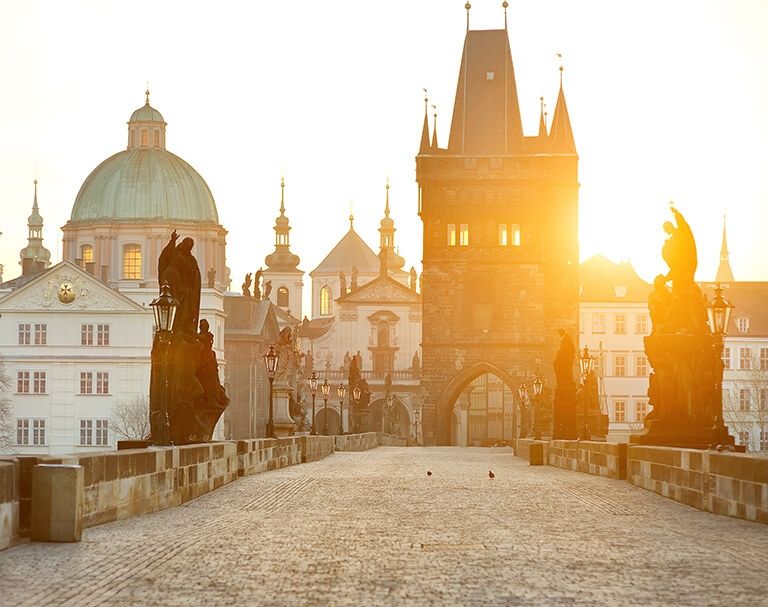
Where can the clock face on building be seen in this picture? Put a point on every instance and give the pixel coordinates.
(66, 292)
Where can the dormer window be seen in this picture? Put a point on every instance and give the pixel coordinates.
(742, 324)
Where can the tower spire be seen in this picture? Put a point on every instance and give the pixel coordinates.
(282, 259)
(424, 147)
(561, 134)
(386, 204)
(724, 272)
(467, 6)
(282, 196)
(542, 119)
(434, 127)
(34, 257)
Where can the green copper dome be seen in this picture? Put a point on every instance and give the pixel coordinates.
(144, 183)
(147, 112)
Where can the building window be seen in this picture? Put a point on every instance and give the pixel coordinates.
(619, 365)
(86, 382)
(451, 234)
(620, 324)
(41, 334)
(744, 438)
(744, 359)
(726, 358)
(641, 365)
(143, 138)
(22, 431)
(25, 334)
(764, 359)
(282, 297)
(464, 234)
(325, 301)
(742, 324)
(503, 236)
(744, 399)
(38, 431)
(641, 410)
(763, 440)
(156, 138)
(22, 382)
(38, 382)
(86, 431)
(102, 382)
(514, 233)
(763, 400)
(101, 436)
(598, 323)
(102, 335)
(86, 253)
(619, 411)
(132, 262)
(641, 324)
(86, 335)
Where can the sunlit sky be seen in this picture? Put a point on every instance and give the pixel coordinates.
(667, 99)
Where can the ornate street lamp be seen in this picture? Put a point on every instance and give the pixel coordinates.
(586, 362)
(538, 389)
(164, 309)
(325, 388)
(313, 388)
(719, 312)
(270, 364)
(356, 412)
(341, 391)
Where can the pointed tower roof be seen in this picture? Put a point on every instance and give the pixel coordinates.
(434, 128)
(282, 260)
(424, 147)
(350, 251)
(486, 112)
(561, 135)
(34, 257)
(724, 272)
(542, 120)
(392, 260)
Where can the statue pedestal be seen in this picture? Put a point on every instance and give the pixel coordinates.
(284, 424)
(564, 423)
(685, 393)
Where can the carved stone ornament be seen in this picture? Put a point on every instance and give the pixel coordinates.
(382, 293)
(65, 290)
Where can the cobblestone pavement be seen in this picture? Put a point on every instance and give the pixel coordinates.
(373, 529)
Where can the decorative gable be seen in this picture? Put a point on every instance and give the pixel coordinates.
(65, 287)
(382, 290)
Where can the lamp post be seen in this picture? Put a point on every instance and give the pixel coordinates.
(341, 391)
(325, 388)
(270, 363)
(538, 388)
(356, 413)
(522, 393)
(164, 309)
(719, 312)
(313, 388)
(586, 364)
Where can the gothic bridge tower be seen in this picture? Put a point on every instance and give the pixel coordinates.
(500, 217)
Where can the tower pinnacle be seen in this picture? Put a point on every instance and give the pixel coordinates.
(724, 272)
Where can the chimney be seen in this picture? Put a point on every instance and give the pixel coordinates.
(105, 274)
(80, 263)
(26, 266)
(90, 267)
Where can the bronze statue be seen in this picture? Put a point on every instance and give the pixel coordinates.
(564, 421)
(659, 302)
(679, 251)
(247, 285)
(178, 268)
(342, 283)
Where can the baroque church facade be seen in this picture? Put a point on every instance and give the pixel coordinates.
(76, 337)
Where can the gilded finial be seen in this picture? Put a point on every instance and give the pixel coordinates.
(505, 4)
(282, 195)
(351, 221)
(147, 93)
(467, 6)
(386, 205)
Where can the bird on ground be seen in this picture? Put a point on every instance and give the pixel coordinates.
(429, 472)
(491, 474)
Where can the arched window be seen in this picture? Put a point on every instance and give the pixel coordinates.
(156, 138)
(282, 297)
(143, 138)
(132, 262)
(86, 253)
(325, 301)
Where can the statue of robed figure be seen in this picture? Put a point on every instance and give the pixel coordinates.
(684, 386)
(186, 396)
(564, 412)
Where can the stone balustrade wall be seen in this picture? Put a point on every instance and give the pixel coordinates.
(9, 502)
(733, 484)
(592, 457)
(263, 454)
(357, 442)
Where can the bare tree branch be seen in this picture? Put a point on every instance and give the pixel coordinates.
(130, 420)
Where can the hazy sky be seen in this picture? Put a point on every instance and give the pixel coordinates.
(668, 100)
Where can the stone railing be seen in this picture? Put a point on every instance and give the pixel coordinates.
(592, 457)
(114, 485)
(9, 502)
(343, 375)
(733, 484)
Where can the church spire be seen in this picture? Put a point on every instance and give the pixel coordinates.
(724, 272)
(387, 238)
(561, 135)
(434, 127)
(542, 120)
(282, 259)
(425, 147)
(34, 257)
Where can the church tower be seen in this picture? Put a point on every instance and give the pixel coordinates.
(724, 272)
(34, 257)
(500, 218)
(393, 262)
(282, 265)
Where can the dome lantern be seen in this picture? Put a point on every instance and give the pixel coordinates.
(146, 128)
